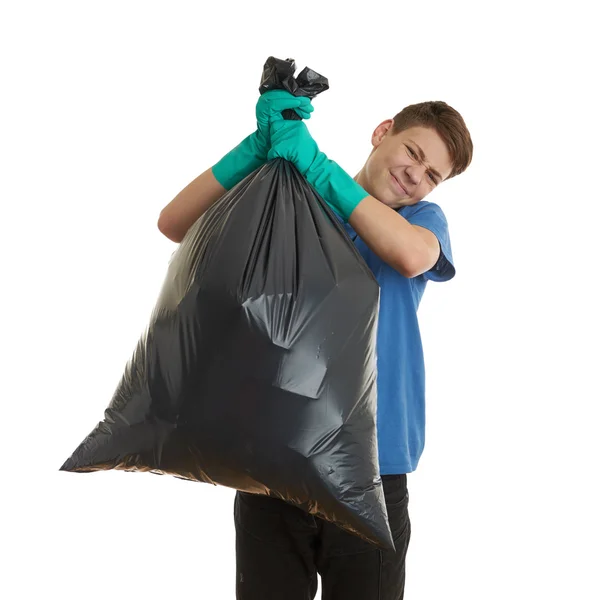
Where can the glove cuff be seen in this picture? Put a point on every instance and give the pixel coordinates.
(335, 185)
(237, 164)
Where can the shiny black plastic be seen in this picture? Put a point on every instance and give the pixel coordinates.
(279, 74)
(257, 369)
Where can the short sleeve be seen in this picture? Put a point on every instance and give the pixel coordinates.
(430, 216)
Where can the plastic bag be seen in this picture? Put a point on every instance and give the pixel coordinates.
(257, 370)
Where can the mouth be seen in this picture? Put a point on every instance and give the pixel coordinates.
(399, 186)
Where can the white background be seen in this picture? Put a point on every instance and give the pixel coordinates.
(109, 109)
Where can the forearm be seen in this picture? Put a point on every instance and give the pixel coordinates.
(189, 205)
(388, 234)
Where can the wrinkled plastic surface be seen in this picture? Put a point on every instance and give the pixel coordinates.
(279, 74)
(257, 369)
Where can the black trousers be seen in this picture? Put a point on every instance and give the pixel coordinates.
(280, 549)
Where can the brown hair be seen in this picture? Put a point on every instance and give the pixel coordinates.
(449, 125)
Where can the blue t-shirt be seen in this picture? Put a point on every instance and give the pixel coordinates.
(400, 362)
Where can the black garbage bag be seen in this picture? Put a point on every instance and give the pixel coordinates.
(257, 369)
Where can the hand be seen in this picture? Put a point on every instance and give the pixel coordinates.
(252, 152)
(292, 141)
(270, 107)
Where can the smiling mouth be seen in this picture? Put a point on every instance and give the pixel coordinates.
(399, 185)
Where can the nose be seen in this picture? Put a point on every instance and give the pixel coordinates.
(416, 172)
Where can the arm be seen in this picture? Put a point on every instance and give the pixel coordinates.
(410, 249)
(189, 205)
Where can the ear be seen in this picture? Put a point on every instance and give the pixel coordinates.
(381, 131)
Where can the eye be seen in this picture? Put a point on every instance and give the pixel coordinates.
(412, 153)
(432, 177)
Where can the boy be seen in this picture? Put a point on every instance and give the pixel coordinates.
(405, 242)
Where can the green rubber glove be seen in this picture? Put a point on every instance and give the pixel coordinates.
(291, 140)
(252, 152)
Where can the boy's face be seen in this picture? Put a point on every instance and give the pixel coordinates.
(396, 172)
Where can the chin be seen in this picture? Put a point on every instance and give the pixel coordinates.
(384, 196)
(391, 201)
